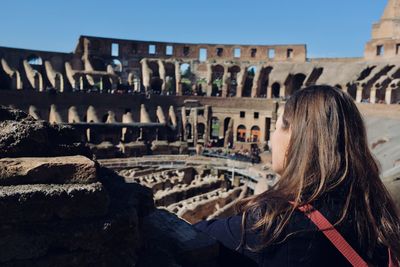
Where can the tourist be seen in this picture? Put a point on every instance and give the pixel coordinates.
(320, 151)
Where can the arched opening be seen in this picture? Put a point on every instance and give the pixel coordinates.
(34, 60)
(37, 81)
(352, 90)
(264, 82)
(214, 133)
(170, 79)
(104, 118)
(58, 82)
(186, 79)
(241, 133)
(116, 65)
(217, 82)
(248, 84)
(156, 81)
(98, 63)
(294, 83)
(255, 134)
(189, 131)
(380, 96)
(200, 131)
(395, 97)
(276, 90)
(232, 86)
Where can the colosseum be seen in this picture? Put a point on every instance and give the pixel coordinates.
(189, 122)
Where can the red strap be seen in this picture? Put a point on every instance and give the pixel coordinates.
(336, 238)
(333, 235)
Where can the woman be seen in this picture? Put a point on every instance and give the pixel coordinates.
(320, 151)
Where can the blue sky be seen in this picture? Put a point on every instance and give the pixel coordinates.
(330, 28)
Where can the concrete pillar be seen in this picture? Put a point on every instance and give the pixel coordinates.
(388, 96)
(178, 78)
(160, 115)
(372, 96)
(172, 116)
(73, 116)
(255, 90)
(146, 73)
(54, 116)
(163, 76)
(225, 82)
(144, 115)
(209, 79)
(241, 79)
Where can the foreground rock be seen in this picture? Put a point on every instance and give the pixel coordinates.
(23, 136)
(70, 211)
(57, 170)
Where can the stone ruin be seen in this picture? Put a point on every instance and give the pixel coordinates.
(61, 208)
(193, 193)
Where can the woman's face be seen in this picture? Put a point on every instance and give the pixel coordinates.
(279, 145)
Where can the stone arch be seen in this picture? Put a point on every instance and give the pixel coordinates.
(34, 60)
(37, 81)
(276, 90)
(156, 82)
(186, 78)
(216, 80)
(263, 83)
(395, 96)
(255, 134)
(170, 79)
(116, 65)
(232, 86)
(248, 84)
(241, 133)
(294, 83)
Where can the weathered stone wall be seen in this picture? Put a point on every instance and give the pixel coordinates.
(60, 210)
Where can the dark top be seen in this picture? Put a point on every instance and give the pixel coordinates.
(310, 248)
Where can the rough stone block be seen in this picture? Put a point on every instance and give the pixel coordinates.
(57, 170)
(35, 203)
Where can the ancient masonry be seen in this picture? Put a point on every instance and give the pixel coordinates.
(183, 95)
(61, 208)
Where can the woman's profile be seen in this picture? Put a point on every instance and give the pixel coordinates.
(327, 173)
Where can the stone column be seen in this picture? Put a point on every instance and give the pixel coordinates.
(388, 96)
(372, 95)
(241, 79)
(163, 75)
(359, 93)
(225, 82)
(178, 78)
(146, 73)
(256, 84)
(209, 79)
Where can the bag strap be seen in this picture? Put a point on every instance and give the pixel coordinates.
(336, 238)
(333, 235)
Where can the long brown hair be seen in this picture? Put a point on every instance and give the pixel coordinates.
(327, 151)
